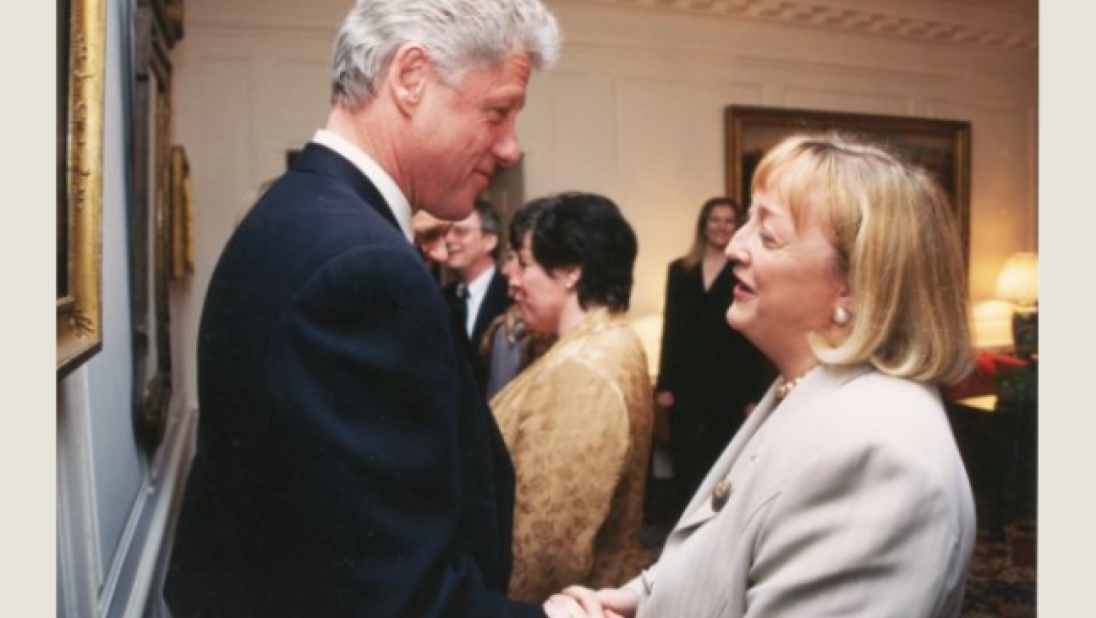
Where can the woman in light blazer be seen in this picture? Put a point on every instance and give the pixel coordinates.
(844, 493)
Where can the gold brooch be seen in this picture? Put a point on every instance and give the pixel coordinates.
(721, 494)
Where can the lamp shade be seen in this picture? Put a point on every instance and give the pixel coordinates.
(1019, 279)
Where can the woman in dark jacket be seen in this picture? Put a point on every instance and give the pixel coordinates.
(709, 375)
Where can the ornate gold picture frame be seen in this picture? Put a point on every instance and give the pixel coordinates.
(182, 244)
(81, 26)
(940, 146)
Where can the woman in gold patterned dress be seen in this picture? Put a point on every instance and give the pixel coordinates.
(578, 421)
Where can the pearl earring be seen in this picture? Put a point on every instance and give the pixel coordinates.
(841, 316)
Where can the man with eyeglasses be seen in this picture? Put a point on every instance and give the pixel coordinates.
(479, 294)
(430, 239)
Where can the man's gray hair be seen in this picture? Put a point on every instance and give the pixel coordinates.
(458, 35)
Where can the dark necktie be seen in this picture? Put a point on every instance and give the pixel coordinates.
(460, 307)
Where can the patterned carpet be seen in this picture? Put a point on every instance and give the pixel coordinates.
(1001, 583)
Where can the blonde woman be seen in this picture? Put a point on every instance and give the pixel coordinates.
(843, 494)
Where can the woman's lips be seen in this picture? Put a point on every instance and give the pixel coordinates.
(743, 291)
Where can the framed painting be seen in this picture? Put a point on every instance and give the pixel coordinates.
(182, 245)
(150, 221)
(81, 32)
(940, 146)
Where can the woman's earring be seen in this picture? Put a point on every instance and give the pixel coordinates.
(841, 316)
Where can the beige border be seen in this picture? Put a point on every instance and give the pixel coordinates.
(79, 315)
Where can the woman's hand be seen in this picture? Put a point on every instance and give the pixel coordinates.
(618, 602)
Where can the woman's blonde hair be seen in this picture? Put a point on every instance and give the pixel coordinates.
(897, 245)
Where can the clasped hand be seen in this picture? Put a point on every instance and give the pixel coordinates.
(580, 602)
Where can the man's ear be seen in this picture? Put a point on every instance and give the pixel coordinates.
(407, 76)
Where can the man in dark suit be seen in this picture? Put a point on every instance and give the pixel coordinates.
(346, 463)
(479, 294)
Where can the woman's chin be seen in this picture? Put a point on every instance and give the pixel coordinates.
(735, 318)
(531, 322)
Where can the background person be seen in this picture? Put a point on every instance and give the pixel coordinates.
(709, 375)
(844, 493)
(507, 346)
(429, 234)
(478, 295)
(346, 462)
(578, 421)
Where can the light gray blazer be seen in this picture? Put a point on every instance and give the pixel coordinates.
(849, 498)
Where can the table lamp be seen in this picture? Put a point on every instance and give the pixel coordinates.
(1019, 283)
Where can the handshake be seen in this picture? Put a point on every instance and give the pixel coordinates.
(580, 602)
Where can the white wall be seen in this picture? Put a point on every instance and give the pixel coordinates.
(635, 110)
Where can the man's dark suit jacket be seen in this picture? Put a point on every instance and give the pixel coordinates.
(346, 464)
(495, 301)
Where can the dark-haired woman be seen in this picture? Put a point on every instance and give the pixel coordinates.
(578, 421)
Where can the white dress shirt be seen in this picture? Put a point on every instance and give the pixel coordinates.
(477, 291)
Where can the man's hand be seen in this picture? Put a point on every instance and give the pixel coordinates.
(581, 602)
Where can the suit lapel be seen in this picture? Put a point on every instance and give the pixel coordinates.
(802, 400)
(320, 159)
(700, 507)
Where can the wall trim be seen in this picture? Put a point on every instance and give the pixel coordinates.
(901, 20)
(142, 554)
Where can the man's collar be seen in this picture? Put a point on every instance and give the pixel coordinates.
(397, 201)
(478, 287)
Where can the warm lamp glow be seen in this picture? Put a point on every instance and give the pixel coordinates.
(649, 329)
(1019, 279)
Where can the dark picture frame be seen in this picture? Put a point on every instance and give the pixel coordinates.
(943, 147)
(81, 30)
(150, 220)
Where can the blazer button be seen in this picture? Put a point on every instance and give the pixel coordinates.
(721, 494)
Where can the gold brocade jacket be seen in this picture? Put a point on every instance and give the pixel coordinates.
(578, 424)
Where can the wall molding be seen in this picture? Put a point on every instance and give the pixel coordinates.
(141, 557)
(990, 24)
(917, 21)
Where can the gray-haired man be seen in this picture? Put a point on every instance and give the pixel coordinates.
(346, 463)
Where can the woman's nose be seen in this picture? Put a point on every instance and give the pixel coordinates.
(736, 248)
